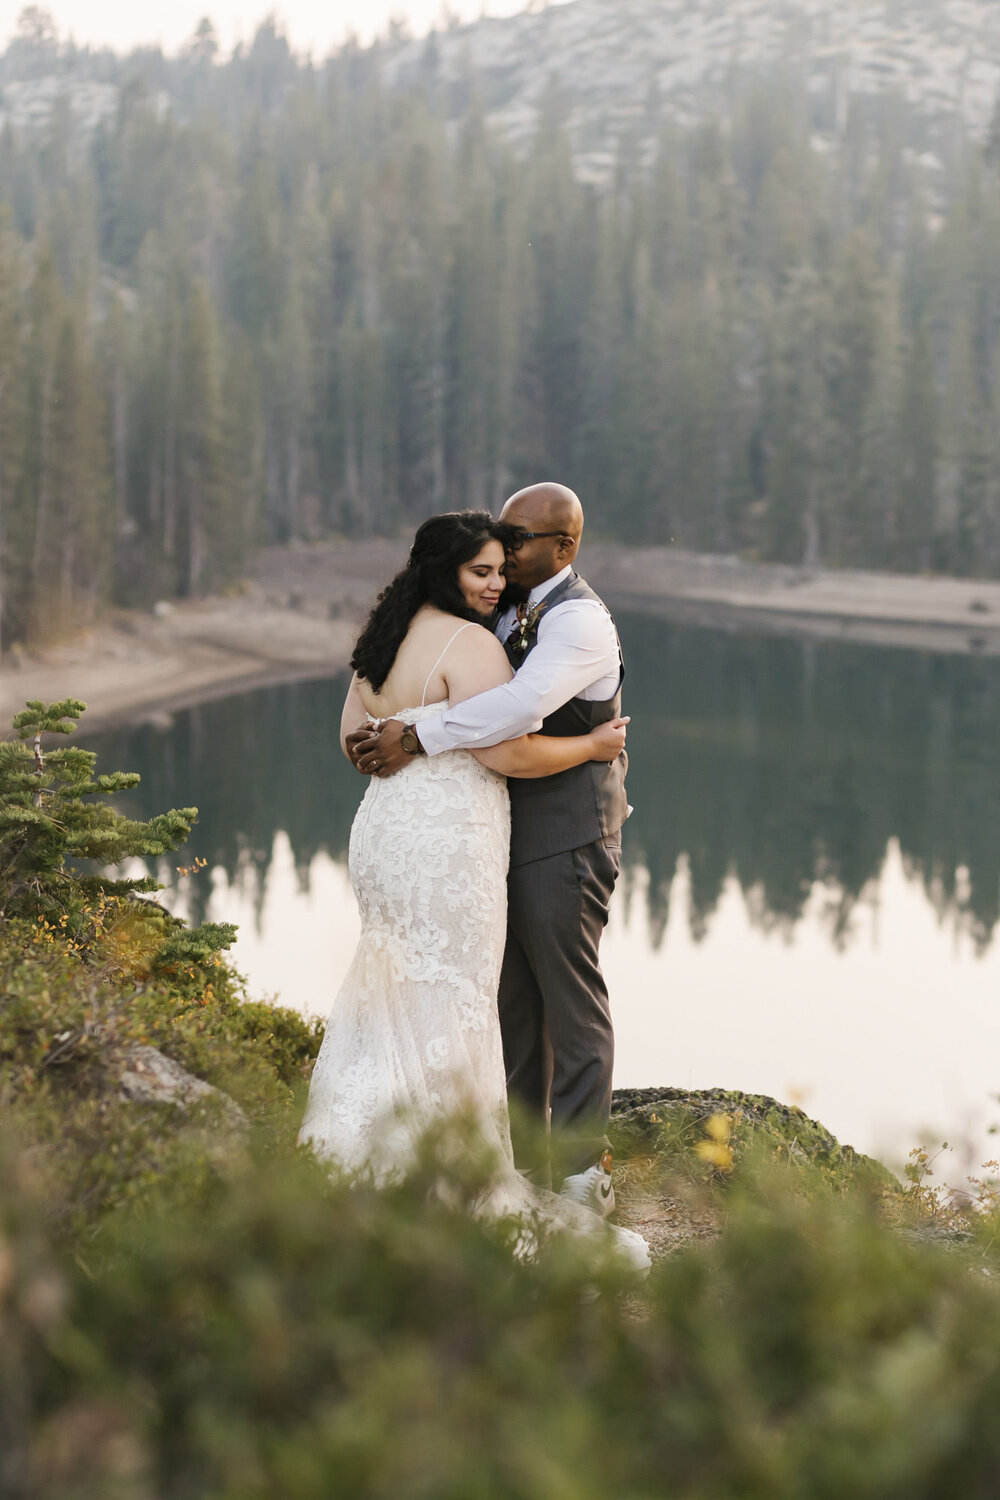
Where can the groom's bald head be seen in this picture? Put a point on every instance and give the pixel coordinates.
(545, 507)
(555, 516)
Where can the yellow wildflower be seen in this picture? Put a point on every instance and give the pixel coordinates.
(716, 1150)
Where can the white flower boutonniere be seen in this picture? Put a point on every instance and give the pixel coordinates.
(526, 625)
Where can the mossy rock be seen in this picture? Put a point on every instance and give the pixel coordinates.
(669, 1124)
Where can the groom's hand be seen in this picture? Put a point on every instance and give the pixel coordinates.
(378, 752)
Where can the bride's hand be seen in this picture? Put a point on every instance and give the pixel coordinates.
(361, 739)
(608, 739)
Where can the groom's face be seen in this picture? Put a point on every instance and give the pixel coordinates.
(531, 561)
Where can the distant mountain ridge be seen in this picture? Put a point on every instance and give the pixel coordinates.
(623, 67)
(609, 56)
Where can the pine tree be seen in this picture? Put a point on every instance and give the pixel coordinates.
(203, 477)
(52, 818)
(11, 411)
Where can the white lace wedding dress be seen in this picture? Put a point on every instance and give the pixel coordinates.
(414, 1035)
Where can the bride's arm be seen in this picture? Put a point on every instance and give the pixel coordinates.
(354, 715)
(545, 754)
(478, 662)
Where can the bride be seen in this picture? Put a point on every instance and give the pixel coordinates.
(414, 1034)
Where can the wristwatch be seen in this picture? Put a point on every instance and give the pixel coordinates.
(409, 742)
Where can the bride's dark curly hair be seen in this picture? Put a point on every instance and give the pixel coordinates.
(439, 549)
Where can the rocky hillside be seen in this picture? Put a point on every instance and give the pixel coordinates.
(624, 64)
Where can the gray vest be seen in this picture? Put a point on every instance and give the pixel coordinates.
(550, 814)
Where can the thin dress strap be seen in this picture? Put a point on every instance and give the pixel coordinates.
(441, 658)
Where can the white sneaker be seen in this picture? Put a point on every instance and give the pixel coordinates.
(632, 1249)
(592, 1188)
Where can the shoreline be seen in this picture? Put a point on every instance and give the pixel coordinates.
(297, 614)
(948, 615)
(135, 668)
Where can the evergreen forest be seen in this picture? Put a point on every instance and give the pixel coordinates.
(265, 298)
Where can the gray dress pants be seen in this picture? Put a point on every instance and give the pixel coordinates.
(555, 1017)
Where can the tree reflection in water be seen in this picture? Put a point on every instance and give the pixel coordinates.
(775, 761)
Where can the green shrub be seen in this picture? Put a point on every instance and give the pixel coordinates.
(192, 1319)
(272, 1333)
(61, 1028)
(286, 1039)
(90, 966)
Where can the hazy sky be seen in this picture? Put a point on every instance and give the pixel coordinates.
(310, 24)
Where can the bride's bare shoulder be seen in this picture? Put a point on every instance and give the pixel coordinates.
(475, 663)
(427, 631)
(480, 642)
(432, 627)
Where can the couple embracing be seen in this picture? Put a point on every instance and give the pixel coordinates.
(483, 858)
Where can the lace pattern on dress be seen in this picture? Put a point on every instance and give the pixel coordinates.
(413, 1033)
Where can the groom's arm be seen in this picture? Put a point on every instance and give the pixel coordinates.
(576, 647)
(572, 652)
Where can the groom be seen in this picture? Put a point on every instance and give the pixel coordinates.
(565, 851)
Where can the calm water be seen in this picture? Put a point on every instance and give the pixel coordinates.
(812, 878)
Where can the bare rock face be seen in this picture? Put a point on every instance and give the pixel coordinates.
(147, 1076)
(623, 65)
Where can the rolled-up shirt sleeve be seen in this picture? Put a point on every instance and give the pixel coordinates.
(577, 646)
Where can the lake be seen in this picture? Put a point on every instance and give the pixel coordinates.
(811, 886)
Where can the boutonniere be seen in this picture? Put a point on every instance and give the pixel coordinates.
(526, 624)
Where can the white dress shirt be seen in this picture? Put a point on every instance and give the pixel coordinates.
(576, 656)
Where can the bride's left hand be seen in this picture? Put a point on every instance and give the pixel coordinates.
(359, 740)
(609, 739)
